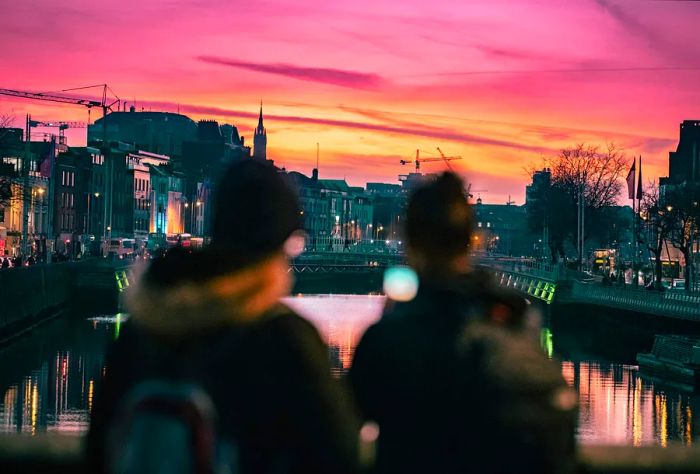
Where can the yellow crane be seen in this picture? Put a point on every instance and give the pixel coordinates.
(418, 160)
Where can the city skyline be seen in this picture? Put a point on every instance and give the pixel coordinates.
(372, 85)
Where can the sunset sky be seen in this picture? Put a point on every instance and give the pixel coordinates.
(500, 83)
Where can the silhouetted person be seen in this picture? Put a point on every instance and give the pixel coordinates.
(213, 318)
(450, 374)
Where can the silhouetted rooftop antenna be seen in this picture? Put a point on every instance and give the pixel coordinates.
(317, 153)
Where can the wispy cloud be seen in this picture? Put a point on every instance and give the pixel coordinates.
(337, 77)
(409, 129)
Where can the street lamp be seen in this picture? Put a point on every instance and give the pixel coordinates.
(195, 216)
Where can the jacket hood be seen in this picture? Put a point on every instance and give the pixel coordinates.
(189, 308)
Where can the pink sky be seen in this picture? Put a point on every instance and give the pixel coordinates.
(500, 83)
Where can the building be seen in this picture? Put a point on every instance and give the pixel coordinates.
(683, 169)
(138, 162)
(335, 214)
(167, 208)
(684, 163)
(534, 192)
(204, 160)
(389, 209)
(156, 132)
(76, 208)
(260, 139)
(503, 229)
(24, 193)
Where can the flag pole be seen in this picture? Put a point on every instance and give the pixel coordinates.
(637, 198)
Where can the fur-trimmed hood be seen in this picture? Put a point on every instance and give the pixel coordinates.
(189, 308)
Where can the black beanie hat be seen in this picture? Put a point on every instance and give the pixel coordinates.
(439, 219)
(255, 211)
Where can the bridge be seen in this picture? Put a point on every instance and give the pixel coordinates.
(329, 256)
(556, 284)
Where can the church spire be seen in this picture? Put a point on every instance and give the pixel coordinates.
(260, 139)
(260, 119)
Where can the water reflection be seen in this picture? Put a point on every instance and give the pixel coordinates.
(620, 407)
(48, 380)
(341, 320)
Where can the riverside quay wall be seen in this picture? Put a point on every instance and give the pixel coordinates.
(29, 295)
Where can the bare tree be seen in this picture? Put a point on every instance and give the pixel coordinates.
(6, 120)
(599, 173)
(656, 223)
(683, 205)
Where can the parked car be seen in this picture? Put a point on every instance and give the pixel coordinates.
(678, 285)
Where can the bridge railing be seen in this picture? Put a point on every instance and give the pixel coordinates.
(678, 305)
(525, 266)
(339, 245)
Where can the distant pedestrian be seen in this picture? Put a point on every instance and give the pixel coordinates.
(450, 375)
(210, 323)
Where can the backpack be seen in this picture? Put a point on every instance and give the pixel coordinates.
(523, 399)
(168, 427)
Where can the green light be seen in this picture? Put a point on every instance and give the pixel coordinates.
(117, 326)
(547, 342)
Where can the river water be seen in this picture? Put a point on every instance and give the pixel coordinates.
(48, 379)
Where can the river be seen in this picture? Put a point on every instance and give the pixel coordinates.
(48, 379)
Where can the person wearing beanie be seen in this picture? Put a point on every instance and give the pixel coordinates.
(213, 318)
(450, 373)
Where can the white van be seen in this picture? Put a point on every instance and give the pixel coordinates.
(122, 247)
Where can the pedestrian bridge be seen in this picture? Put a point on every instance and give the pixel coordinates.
(363, 255)
(556, 284)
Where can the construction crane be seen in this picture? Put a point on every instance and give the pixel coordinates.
(62, 127)
(470, 191)
(105, 103)
(448, 158)
(418, 160)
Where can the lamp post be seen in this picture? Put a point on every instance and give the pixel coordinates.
(89, 214)
(198, 205)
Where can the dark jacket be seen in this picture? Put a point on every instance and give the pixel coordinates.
(438, 376)
(268, 376)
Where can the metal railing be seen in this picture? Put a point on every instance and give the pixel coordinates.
(545, 271)
(678, 305)
(339, 245)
